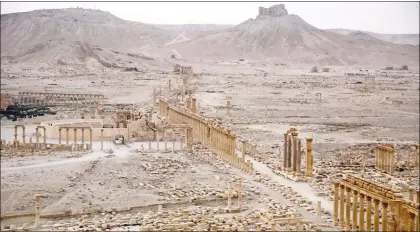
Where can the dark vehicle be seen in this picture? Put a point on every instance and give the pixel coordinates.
(16, 111)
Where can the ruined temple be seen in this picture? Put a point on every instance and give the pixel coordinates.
(273, 11)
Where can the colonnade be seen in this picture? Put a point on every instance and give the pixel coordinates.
(39, 98)
(415, 150)
(75, 135)
(384, 158)
(37, 134)
(218, 139)
(292, 156)
(354, 198)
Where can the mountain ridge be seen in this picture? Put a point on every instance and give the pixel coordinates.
(80, 35)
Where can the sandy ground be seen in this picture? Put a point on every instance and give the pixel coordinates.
(266, 101)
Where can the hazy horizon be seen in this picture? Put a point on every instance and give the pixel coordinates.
(378, 17)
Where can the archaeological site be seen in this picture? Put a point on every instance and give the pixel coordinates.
(270, 125)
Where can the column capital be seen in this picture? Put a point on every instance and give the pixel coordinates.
(348, 189)
(67, 129)
(362, 195)
(368, 198)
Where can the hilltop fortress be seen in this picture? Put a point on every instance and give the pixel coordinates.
(273, 11)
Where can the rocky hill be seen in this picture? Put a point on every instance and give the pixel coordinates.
(96, 38)
(276, 35)
(77, 36)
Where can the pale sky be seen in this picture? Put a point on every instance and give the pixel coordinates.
(380, 17)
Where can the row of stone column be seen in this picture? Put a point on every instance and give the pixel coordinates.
(415, 149)
(165, 144)
(292, 156)
(75, 129)
(46, 100)
(353, 211)
(220, 141)
(384, 158)
(30, 139)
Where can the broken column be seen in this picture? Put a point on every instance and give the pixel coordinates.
(318, 208)
(228, 107)
(37, 211)
(194, 105)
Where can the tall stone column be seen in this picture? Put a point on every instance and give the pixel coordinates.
(16, 134)
(384, 216)
(285, 152)
(348, 206)
(391, 163)
(189, 140)
(75, 135)
(368, 213)
(294, 152)
(336, 199)
(298, 158)
(418, 197)
(90, 138)
(342, 206)
(23, 135)
(59, 136)
(362, 213)
(102, 139)
(289, 152)
(243, 150)
(355, 205)
(67, 135)
(37, 136)
(376, 215)
(83, 135)
(309, 159)
(45, 135)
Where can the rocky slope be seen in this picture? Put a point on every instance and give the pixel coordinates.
(412, 39)
(77, 36)
(290, 39)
